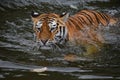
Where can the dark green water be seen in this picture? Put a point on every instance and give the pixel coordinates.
(17, 47)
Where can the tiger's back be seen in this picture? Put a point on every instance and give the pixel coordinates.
(84, 27)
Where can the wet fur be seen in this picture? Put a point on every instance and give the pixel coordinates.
(84, 27)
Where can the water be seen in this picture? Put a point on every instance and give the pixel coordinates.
(17, 47)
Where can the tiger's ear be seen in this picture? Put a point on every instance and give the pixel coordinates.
(64, 16)
(34, 14)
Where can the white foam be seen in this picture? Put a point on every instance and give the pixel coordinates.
(39, 69)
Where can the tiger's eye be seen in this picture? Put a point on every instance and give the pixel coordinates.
(58, 36)
(38, 25)
(52, 25)
(38, 29)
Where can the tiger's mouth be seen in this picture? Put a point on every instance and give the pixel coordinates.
(48, 47)
(45, 47)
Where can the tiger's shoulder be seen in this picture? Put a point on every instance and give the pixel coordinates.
(84, 28)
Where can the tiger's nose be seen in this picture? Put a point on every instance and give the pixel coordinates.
(44, 41)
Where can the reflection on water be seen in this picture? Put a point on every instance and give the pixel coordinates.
(18, 53)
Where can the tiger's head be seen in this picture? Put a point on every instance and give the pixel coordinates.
(50, 29)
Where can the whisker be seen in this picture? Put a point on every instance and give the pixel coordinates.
(57, 46)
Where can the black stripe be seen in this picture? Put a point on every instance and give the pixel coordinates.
(77, 26)
(69, 22)
(87, 18)
(82, 19)
(63, 31)
(95, 16)
(90, 19)
(104, 17)
(79, 21)
(60, 30)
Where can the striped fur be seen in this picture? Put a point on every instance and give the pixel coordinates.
(83, 27)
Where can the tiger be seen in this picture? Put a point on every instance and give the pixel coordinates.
(83, 28)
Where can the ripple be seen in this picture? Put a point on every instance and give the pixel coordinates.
(19, 54)
(94, 77)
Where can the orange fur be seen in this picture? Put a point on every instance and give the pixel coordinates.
(84, 26)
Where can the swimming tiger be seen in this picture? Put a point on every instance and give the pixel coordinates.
(83, 28)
